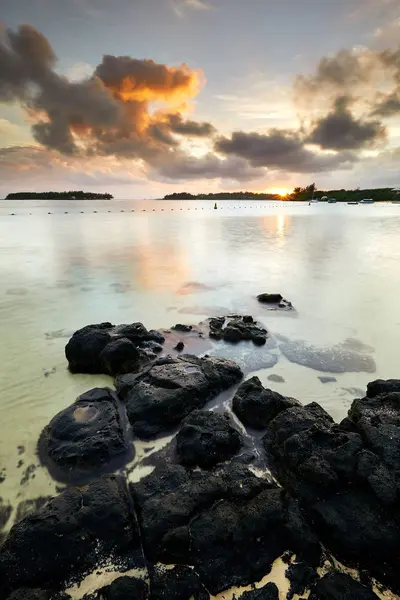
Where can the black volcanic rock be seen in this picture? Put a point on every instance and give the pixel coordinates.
(31, 594)
(378, 421)
(169, 498)
(182, 328)
(106, 348)
(270, 298)
(338, 586)
(88, 435)
(268, 592)
(207, 438)
(241, 329)
(84, 348)
(301, 576)
(256, 406)
(236, 543)
(178, 583)
(122, 356)
(75, 532)
(161, 397)
(125, 588)
(346, 478)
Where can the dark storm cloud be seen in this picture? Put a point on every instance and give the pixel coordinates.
(340, 130)
(280, 149)
(190, 128)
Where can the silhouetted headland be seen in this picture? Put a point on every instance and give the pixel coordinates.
(71, 195)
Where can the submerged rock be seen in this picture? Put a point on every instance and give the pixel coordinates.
(157, 400)
(338, 586)
(334, 359)
(256, 406)
(207, 438)
(88, 435)
(74, 533)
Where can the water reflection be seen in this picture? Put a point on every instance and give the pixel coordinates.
(59, 272)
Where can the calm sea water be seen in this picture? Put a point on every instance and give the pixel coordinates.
(170, 262)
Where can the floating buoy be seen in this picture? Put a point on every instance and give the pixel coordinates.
(49, 213)
(95, 211)
(121, 210)
(66, 212)
(81, 212)
(215, 206)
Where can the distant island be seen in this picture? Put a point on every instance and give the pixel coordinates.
(299, 194)
(71, 195)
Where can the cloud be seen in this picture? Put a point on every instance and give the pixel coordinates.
(180, 166)
(280, 149)
(387, 105)
(107, 113)
(180, 6)
(340, 130)
(339, 74)
(190, 128)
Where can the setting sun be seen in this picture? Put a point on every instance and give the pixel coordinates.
(281, 191)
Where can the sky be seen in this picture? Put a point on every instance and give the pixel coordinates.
(141, 98)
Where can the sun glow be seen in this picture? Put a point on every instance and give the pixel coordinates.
(283, 192)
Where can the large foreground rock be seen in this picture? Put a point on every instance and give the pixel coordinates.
(345, 476)
(338, 586)
(158, 399)
(230, 525)
(207, 438)
(106, 348)
(80, 529)
(268, 592)
(256, 406)
(87, 436)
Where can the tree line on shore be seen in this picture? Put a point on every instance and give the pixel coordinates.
(222, 196)
(299, 194)
(71, 195)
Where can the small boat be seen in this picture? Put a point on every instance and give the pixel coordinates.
(367, 201)
(353, 202)
(332, 200)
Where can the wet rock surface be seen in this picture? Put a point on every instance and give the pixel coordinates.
(178, 583)
(337, 586)
(125, 588)
(106, 348)
(345, 476)
(268, 592)
(72, 534)
(256, 406)
(237, 329)
(275, 301)
(229, 524)
(301, 577)
(88, 435)
(207, 438)
(158, 399)
(211, 516)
